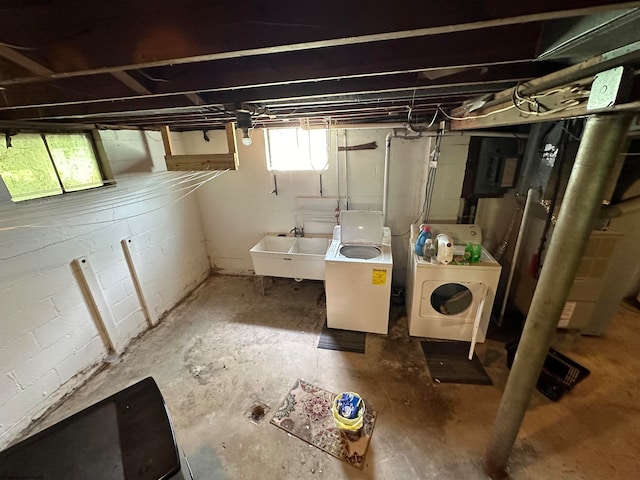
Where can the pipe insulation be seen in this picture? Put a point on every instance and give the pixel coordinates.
(506, 238)
(532, 196)
(601, 142)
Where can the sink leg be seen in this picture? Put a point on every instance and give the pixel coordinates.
(259, 285)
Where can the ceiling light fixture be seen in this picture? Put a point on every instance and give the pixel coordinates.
(243, 117)
(246, 139)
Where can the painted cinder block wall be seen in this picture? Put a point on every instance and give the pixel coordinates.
(49, 339)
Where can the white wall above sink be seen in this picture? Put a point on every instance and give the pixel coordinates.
(238, 209)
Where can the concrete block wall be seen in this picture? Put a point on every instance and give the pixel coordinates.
(50, 340)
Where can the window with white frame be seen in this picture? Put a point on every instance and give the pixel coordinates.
(36, 165)
(296, 149)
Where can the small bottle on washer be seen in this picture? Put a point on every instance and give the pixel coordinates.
(422, 238)
(428, 249)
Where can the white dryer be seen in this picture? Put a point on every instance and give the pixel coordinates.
(358, 268)
(444, 301)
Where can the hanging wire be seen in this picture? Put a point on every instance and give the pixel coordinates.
(126, 201)
(149, 77)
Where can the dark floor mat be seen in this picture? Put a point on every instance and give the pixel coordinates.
(448, 363)
(342, 340)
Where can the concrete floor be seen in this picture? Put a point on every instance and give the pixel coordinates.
(227, 347)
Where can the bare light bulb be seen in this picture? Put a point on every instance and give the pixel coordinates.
(246, 139)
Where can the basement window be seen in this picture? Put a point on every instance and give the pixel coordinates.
(295, 149)
(42, 165)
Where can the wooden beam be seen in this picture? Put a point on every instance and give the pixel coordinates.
(121, 76)
(214, 161)
(132, 83)
(195, 98)
(41, 70)
(166, 140)
(166, 34)
(232, 143)
(230, 129)
(24, 61)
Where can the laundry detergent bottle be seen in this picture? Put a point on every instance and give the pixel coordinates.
(422, 239)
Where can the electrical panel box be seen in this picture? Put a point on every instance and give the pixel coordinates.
(493, 165)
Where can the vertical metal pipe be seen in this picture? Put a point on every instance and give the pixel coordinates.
(385, 185)
(599, 147)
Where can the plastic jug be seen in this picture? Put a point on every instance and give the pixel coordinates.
(444, 249)
(422, 238)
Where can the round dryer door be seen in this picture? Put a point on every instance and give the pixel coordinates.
(451, 299)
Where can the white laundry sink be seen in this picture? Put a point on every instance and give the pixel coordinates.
(290, 257)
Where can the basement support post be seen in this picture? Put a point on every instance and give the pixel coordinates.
(598, 150)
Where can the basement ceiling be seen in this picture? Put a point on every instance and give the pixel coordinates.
(191, 65)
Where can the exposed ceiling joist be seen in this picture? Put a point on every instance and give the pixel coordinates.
(132, 83)
(343, 63)
(156, 62)
(24, 61)
(179, 35)
(308, 90)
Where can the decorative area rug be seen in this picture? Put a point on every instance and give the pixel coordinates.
(306, 414)
(448, 363)
(342, 340)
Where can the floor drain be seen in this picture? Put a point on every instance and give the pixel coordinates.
(257, 412)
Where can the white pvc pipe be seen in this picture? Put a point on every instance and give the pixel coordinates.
(385, 184)
(426, 133)
(531, 193)
(337, 177)
(346, 169)
(476, 324)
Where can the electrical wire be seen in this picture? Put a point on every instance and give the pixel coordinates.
(485, 115)
(428, 194)
(415, 127)
(518, 100)
(125, 195)
(149, 77)
(127, 201)
(111, 221)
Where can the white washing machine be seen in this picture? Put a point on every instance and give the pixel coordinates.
(358, 267)
(444, 301)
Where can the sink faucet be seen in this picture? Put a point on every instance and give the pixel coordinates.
(297, 232)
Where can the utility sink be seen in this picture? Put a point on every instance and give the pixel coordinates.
(290, 257)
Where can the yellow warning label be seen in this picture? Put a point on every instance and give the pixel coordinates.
(378, 277)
